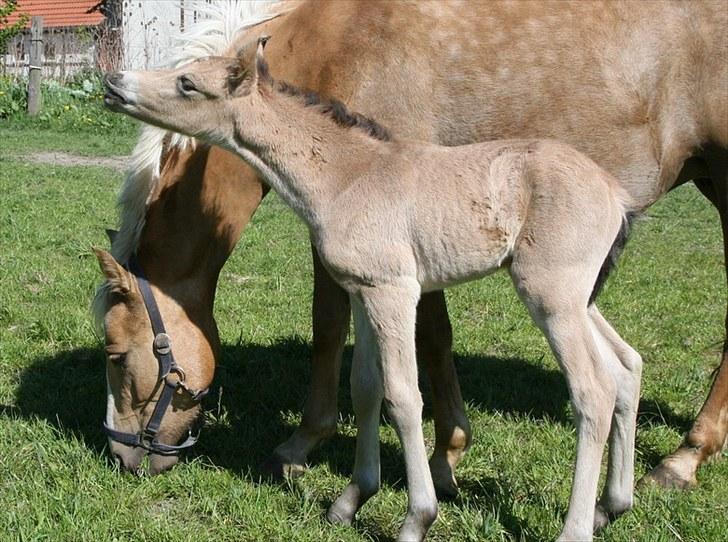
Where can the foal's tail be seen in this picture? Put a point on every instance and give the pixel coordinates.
(611, 260)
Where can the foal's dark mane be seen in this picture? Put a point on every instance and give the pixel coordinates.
(330, 107)
(335, 110)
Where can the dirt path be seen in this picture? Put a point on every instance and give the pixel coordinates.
(66, 159)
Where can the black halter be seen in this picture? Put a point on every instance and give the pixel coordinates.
(147, 438)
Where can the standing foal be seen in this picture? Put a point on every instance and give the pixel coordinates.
(393, 219)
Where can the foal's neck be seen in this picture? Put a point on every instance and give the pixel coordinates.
(304, 155)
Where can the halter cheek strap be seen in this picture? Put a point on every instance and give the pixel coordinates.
(147, 438)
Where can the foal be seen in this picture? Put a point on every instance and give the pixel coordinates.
(393, 219)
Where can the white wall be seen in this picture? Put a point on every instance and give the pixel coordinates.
(149, 27)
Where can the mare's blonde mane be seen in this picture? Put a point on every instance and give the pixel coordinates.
(216, 29)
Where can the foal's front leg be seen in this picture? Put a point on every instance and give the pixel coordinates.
(392, 313)
(366, 398)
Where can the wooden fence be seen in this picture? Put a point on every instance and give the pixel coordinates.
(65, 53)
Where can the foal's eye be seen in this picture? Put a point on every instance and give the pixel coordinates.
(116, 359)
(185, 84)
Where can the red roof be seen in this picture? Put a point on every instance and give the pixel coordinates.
(59, 12)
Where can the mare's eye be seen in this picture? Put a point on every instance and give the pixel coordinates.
(185, 84)
(116, 359)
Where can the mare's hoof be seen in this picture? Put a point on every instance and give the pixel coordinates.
(446, 492)
(278, 469)
(663, 475)
(601, 518)
(446, 488)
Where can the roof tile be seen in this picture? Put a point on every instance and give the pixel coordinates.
(59, 12)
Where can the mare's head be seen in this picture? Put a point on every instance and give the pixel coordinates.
(199, 99)
(136, 360)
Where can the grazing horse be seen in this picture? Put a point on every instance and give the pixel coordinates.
(392, 219)
(637, 86)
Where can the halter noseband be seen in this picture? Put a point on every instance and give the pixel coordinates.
(147, 437)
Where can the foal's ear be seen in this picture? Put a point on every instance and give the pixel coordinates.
(262, 73)
(115, 274)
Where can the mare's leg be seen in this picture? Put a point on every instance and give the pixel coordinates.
(452, 429)
(366, 398)
(626, 368)
(391, 311)
(553, 298)
(707, 438)
(330, 327)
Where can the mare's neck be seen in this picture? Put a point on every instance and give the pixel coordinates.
(306, 157)
(206, 197)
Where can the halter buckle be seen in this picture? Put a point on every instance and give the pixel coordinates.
(162, 344)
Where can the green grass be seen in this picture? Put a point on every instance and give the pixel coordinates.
(56, 483)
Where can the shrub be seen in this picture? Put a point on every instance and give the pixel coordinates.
(77, 105)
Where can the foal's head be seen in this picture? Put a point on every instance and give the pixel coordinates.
(198, 99)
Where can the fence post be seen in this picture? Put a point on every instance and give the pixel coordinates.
(35, 65)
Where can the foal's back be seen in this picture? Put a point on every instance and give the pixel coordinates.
(453, 214)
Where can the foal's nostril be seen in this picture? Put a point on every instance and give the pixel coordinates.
(112, 78)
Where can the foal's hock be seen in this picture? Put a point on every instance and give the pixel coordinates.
(392, 219)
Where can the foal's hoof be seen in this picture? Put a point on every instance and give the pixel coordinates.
(338, 517)
(603, 517)
(278, 469)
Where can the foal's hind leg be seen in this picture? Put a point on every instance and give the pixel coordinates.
(626, 370)
(562, 315)
(452, 429)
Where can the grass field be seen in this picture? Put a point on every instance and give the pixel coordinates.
(56, 482)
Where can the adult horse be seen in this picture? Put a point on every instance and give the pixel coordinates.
(638, 86)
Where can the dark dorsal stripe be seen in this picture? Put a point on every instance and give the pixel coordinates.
(336, 111)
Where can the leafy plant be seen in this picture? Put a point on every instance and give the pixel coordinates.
(77, 105)
(7, 31)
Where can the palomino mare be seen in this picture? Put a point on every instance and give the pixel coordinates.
(394, 218)
(636, 86)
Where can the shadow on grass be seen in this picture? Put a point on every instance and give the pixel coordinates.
(256, 383)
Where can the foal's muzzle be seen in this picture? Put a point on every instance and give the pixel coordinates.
(114, 93)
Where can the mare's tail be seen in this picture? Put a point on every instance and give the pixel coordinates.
(611, 260)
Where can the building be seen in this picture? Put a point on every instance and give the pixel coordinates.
(70, 33)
